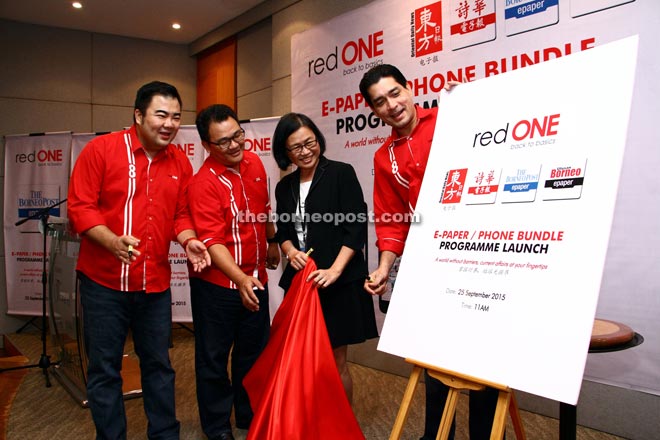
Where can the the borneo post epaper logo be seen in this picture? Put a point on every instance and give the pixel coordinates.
(426, 30)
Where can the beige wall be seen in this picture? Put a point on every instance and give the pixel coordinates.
(254, 71)
(59, 80)
(264, 52)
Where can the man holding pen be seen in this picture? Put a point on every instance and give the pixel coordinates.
(230, 207)
(127, 200)
(399, 166)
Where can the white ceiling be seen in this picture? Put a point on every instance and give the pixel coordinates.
(148, 19)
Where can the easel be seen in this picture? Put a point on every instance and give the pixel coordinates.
(456, 382)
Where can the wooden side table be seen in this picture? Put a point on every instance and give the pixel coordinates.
(606, 336)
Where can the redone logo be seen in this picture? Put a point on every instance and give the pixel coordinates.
(261, 144)
(351, 52)
(187, 149)
(40, 156)
(523, 129)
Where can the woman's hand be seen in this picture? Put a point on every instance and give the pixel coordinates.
(297, 259)
(323, 277)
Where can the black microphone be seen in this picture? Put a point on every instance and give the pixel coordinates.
(39, 213)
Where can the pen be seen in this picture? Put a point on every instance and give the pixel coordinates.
(309, 251)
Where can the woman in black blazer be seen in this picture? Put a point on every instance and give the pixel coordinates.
(320, 205)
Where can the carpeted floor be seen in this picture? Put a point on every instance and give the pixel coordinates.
(10, 380)
(40, 413)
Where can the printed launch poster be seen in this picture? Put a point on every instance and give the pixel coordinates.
(516, 209)
(36, 177)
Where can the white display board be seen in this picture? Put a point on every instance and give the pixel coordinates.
(519, 192)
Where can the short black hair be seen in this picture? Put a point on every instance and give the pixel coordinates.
(288, 124)
(146, 93)
(375, 74)
(213, 113)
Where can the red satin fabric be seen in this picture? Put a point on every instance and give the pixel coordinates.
(294, 387)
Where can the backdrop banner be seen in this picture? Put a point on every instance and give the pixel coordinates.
(36, 177)
(434, 42)
(188, 141)
(78, 142)
(258, 139)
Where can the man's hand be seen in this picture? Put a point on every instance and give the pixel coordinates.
(376, 284)
(449, 85)
(273, 257)
(124, 247)
(198, 255)
(246, 288)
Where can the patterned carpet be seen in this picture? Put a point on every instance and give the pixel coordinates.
(40, 413)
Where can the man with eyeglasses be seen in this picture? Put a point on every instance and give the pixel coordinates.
(230, 207)
(399, 166)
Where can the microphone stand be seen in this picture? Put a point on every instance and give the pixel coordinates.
(44, 360)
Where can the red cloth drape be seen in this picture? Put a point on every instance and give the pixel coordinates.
(294, 387)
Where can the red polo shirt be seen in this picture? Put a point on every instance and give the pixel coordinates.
(231, 208)
(399, 166)
(115, 184)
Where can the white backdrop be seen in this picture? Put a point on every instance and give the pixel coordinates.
(433, 42)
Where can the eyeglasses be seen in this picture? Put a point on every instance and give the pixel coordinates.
(225, 142)
(297, 149)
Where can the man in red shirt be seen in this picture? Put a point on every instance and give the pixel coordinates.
(399, 166)
(127, 200)
(230, 206)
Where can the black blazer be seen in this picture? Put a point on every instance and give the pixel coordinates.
(335, 189)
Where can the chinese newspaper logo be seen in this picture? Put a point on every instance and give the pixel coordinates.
(427, 29)
(453, 189)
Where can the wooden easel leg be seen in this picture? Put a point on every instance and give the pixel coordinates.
(499, 420)
(516, 420)
(405, 403)
(448, 414)
(505, 402)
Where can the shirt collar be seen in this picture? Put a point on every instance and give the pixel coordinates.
(137, 145)
(221, 168)
(422, 114)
